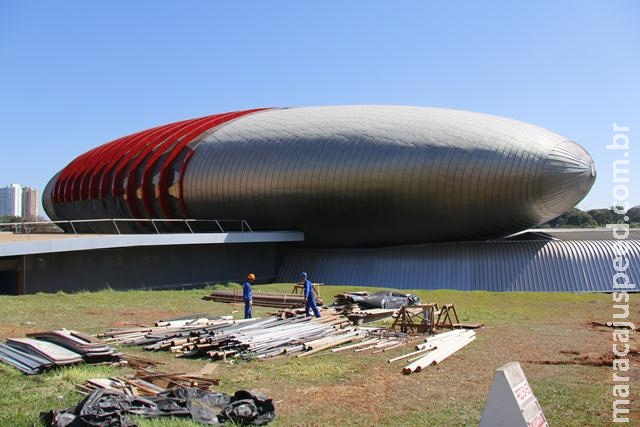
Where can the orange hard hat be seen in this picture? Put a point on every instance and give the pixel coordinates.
(251, 276)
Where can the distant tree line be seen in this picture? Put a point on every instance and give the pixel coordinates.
(43, 225)
(594, 218)
(13, 218)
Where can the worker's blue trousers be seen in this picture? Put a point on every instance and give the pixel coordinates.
(311, 305)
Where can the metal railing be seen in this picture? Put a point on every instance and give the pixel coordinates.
(128, 226)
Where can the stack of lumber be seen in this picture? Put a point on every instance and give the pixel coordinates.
(263, 299)
(148, 383)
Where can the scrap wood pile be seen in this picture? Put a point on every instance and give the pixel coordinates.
(148, 383)
(263, 299)
(45, 350)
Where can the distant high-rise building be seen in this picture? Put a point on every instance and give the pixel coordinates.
(11, 200)
(29, 203)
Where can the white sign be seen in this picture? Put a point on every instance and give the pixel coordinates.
(511, 402)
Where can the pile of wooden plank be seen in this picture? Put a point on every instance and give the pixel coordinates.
(262, 299)
(145, 383)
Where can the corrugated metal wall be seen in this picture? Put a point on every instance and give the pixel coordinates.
(548, 266)
(148, 267)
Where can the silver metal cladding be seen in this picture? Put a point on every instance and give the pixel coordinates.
(349, 176)
(377, 175)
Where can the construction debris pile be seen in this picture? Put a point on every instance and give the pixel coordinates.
(107, 407)
(148, 383)
(263, 299)
(152, 394)
(301, 336)
(44, 350)
(252, 338)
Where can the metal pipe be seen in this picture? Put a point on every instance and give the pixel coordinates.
(450, 345)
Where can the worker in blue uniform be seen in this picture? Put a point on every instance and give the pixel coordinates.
(309, 296)
(247, 295)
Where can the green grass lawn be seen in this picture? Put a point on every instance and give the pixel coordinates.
(346, 388)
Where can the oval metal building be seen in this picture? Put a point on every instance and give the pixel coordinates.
(347, 176)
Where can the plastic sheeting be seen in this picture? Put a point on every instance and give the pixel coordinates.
(384, 299)
(104, 408)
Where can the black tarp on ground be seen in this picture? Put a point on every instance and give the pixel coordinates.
(384, 299)
(106, 408)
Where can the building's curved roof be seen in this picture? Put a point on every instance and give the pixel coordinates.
(345, 175)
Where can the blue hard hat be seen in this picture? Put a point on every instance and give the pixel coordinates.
(303, 274)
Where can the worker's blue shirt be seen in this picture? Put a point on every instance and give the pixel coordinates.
(247, 295)
(308, 289)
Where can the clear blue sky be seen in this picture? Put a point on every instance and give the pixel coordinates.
(76, 74)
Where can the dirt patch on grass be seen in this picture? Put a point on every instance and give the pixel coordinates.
(463, 380)
(584, 359)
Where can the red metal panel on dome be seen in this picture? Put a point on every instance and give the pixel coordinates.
(109, 159)
(102, 160)
(167, 145)
(166, 166)
(88, 176)
(172, 146)
(123, 155)
(138, 153)
(71, 172)
(88, 167)
(139, 157)
(68, 184)
(58, 192)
